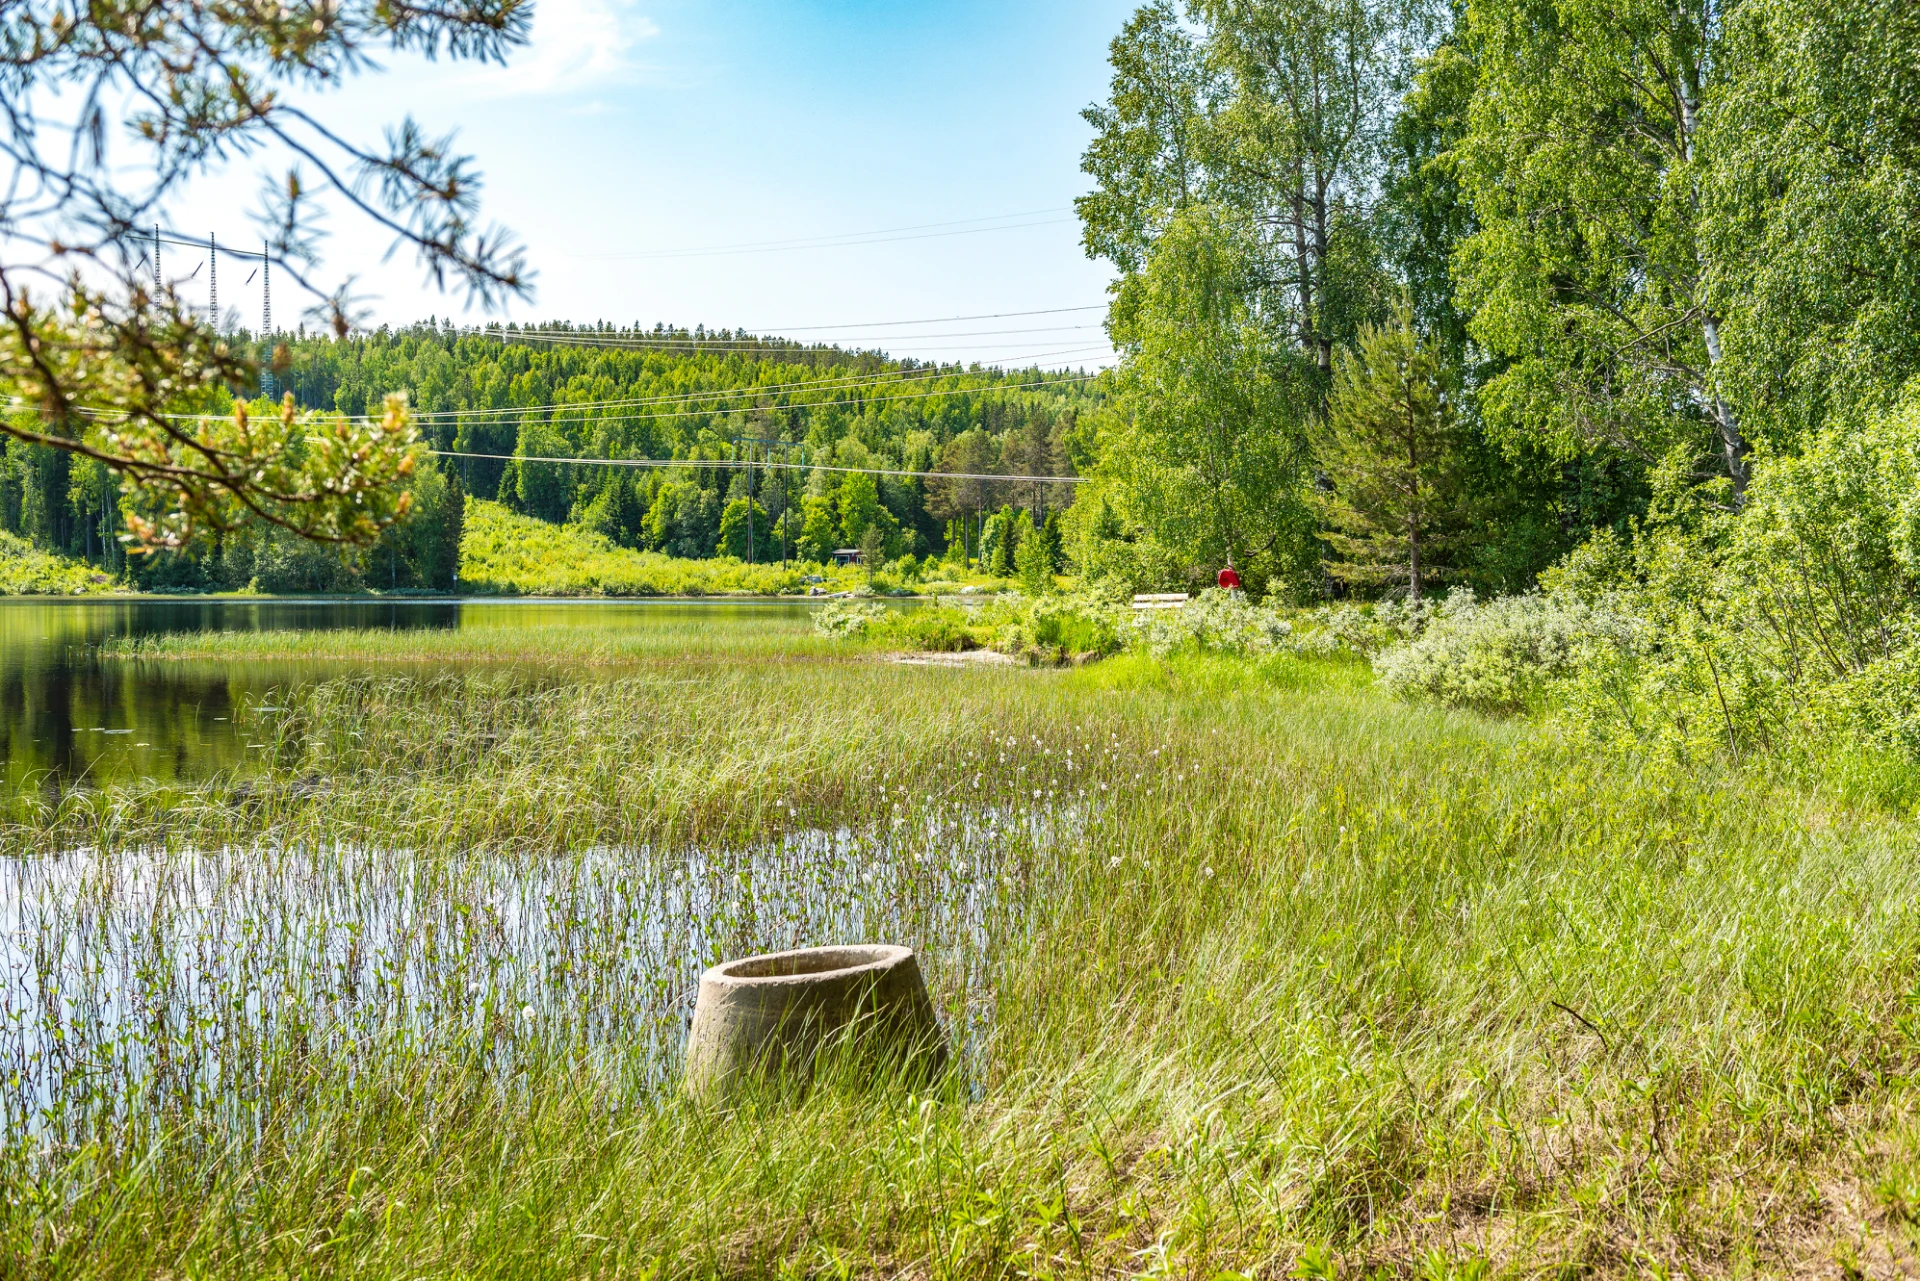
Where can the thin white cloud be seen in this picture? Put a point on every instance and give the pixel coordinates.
(574, 45)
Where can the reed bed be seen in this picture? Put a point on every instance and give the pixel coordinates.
(1254, 973)
(581, 635)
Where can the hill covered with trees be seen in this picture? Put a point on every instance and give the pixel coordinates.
(502, 405)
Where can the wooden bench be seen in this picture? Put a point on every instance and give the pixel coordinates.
(1159, 600)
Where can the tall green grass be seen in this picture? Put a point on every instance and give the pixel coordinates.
(503, 553)
(1311, 983)
(584, 635)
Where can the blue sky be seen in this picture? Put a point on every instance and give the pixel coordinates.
(629, 138)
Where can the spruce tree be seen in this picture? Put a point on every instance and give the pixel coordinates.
(446, 572)
(1393, 462)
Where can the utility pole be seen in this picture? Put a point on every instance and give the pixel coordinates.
(267, 385)
(786, 506)
(213, 283)
(156, 262)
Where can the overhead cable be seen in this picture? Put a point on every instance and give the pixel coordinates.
(767, 341)
(681, 347)
(864, 400)
(938, 320)
(821, 386)
(843, 240)
(740, 464)
(1058, 380)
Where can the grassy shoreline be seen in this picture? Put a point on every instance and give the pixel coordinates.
(1325, 985)
(505, 555)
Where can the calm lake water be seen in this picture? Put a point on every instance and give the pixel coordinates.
(69, 716)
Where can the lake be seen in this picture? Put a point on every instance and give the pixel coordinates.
(163, 978)
(69, 716)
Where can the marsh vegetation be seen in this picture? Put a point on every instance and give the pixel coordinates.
(1254, 968)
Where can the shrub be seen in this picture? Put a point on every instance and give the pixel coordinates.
(937, 629)
(1071, 625)
(1215, 621)
(26, 571)
(1776, 627)
(1500, 655)
(1034, 561)
(848, 621)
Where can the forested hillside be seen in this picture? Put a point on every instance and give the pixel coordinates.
(712, 399)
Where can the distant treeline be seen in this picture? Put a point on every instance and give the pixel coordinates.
(706, 398)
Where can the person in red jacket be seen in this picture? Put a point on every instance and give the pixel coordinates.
(1228, 579)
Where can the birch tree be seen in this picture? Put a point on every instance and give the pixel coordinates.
(1584, 162)
(1210, 452)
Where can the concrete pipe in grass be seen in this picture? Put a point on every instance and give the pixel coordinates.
(775, 1015)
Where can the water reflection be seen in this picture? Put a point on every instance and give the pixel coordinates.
(69, 717)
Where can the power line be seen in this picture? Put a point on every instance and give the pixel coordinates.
(984, 350)
(1055, 381)
(866, 400)
(767, 341)
(937, 320)
(842, 240)
(850, 383)
(187, 242)
(740, 464)
(854, 382)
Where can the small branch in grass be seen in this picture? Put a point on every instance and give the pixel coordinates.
(1584, 1022)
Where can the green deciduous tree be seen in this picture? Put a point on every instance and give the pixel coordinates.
(1812, 208)
(543, 489)
(1033, 562)
(1585, 165)
(1275, 109)
(743, 530)
(859, 506)
(684, 519)
(818, 537)
(1300, 142)
(1149, 155)
(1209, 456)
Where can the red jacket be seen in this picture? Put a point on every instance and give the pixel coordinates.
(1229, 579)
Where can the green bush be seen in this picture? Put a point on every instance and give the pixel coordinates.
(1774, 627)
(848, 620)
(937, 629)
(1033, 560)
(1059, 627)
(1047, 630)
(1215, 621)
(27, 571)
(1501, 655)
